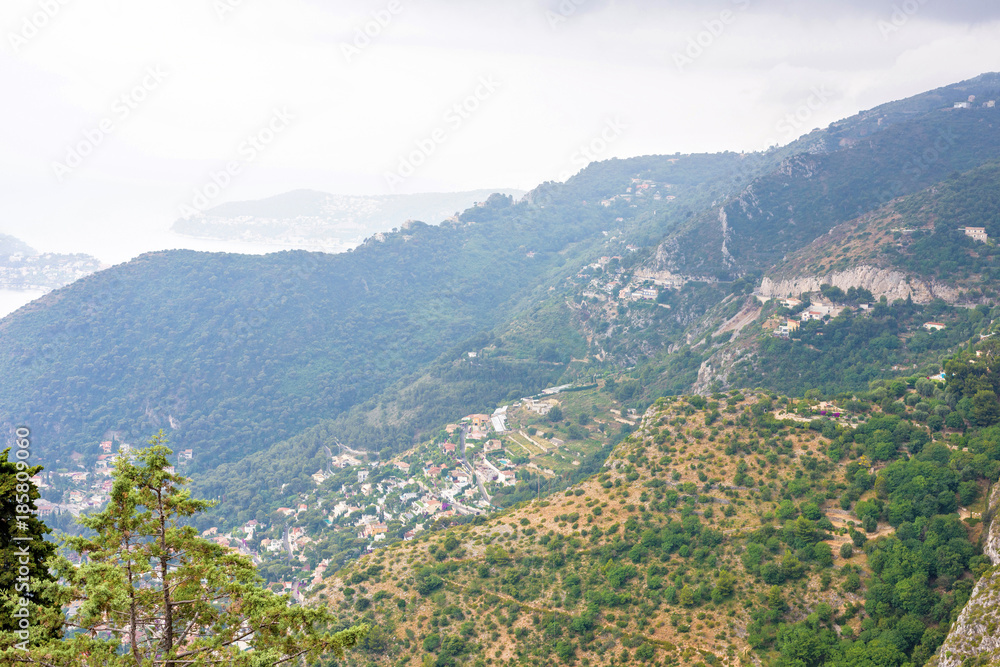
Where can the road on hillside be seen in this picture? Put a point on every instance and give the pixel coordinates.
(467, 466)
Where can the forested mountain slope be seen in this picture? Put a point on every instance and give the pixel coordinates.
(235, 355)
(810, 193)
(232, 353)
(735, 526)
(914, 254)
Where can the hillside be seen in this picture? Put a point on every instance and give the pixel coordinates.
(919, 236)
(835, 176)
(715, 534)
(681, 409)
(911, 253)
(240, 358)
(233, 354)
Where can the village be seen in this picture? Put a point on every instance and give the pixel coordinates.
(641, 189)
(359, 503)
(22, 271)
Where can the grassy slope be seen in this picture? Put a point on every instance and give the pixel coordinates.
(519, 608)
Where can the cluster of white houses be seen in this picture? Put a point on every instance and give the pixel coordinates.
(971, 101)
(787, 326)
(88, 489)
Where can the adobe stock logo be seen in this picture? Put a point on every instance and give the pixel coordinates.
(365, 34)
(714, 29)
(595, 149)
(248, 152)
(901, 15)
(33, 24)
(455, 118)
(793, 124)
(121, 110)
(566, 10)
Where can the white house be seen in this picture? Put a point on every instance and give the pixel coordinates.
(819, 312)
(976, 233)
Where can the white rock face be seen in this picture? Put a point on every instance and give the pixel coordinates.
(971, 636)
(974, 632)
(880, 282)
(992, 546)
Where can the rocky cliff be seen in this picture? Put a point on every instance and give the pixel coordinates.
(975, 634)
(879, 281)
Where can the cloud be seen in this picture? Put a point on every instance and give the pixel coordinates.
(947, 11)
(367, 80)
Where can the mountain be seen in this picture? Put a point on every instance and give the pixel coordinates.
(637, 281)
(914, 253)
(234, 353)
(838, 179)
(322, 221)
(237, 354)
(14, 246)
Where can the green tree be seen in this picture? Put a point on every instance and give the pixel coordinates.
(24, 557)
(954, 421)
(791, 566)
(985, 408)
(804, 529)
(774, 598)
(823, 554)
(170, 598)
(726, 584)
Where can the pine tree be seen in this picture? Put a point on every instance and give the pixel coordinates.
(152, 593)
(24, 557)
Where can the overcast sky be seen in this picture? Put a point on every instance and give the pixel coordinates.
(119, 113)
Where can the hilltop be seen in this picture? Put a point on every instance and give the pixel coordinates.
(319, 220)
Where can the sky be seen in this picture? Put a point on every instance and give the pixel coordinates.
(122, 115)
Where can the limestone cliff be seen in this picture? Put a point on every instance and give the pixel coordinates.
(975, 634)
(879, 281)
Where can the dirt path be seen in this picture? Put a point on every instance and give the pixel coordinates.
(661, 643)
(842, 519)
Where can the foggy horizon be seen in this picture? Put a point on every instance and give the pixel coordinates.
(130, 116)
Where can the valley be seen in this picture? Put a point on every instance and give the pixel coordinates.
(699, 409)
